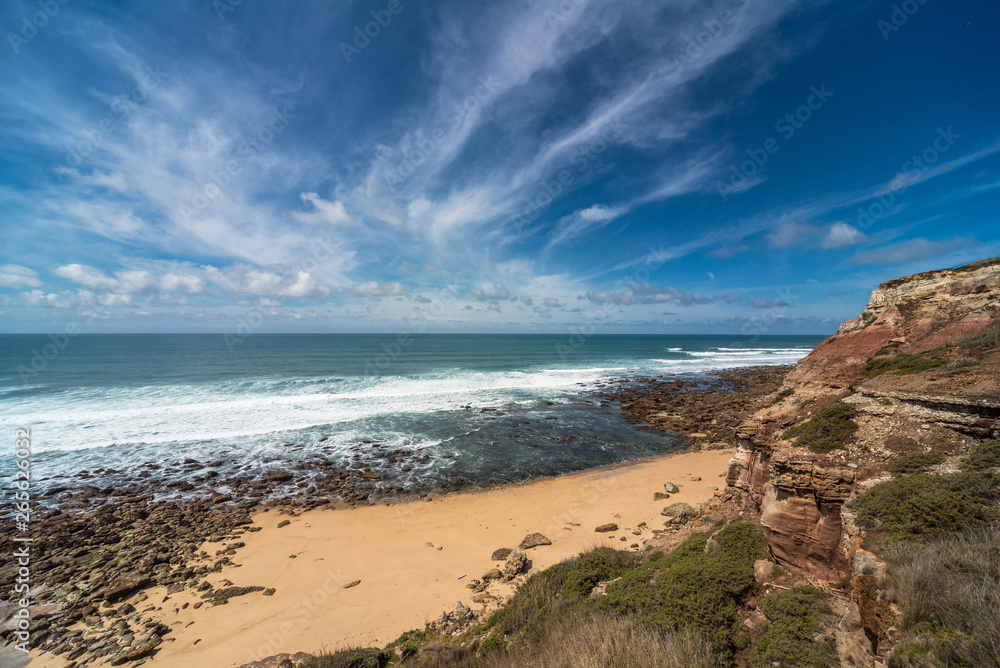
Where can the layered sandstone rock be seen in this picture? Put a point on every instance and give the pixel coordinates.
(801, 494)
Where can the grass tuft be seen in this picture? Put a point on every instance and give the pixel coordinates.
(949, 593)
(903, 365)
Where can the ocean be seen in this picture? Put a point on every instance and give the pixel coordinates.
(113, 402)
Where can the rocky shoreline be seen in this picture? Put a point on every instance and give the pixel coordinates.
(95, 546)
(707, 410)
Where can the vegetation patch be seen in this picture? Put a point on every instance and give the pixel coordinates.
(921, 506)
(903, 365)
(698, 587)
(830, 429)
(984, 456)
(796, 615)
(349, 658)
(949, 593)
(916, 462)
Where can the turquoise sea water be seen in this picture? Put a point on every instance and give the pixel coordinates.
(114, 401)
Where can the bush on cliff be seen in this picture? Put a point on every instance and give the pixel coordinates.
(949, 594)
(796, 616)
(903, 365)
(349, 658)
(984, 456)
(922, 506)
(916, 462)
(830, 429)
(699, 587)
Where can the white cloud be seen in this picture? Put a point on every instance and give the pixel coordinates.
(913, 250)
(332, 213)
(15, 276)
(791, 234)
(842, 235)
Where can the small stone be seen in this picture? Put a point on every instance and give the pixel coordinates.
(696, 479)
(284, 523)
(604, 528)
(269, 591)
(501, 554)
(533, 540)
(354, 583)
(671, 488)
(660, 496)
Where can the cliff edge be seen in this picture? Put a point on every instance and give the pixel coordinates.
(917, 370)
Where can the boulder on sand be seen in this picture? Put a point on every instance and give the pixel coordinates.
(533, 540)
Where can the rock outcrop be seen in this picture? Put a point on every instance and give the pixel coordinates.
(920, 366)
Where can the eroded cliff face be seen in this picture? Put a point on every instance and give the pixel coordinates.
(943, 318)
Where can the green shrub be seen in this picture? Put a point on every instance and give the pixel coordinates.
(492, 644)
(598, 565)
(922, 506)
(349, 658)
(916, 462)
(699, 587)
(831, 428)
(903, 365)
(796, 616)
(984, 456)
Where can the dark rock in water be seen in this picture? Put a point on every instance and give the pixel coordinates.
(533, 540)
(605, 528)
(501, 554)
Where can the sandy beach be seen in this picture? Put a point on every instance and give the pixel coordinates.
(413, 559)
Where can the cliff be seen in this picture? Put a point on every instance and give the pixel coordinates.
(917, 369)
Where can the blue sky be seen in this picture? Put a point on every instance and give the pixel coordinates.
(650, 167)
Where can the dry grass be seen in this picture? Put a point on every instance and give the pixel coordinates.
(949, 593)
(602, 641)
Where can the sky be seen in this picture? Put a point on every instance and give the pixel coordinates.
(675, 167)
